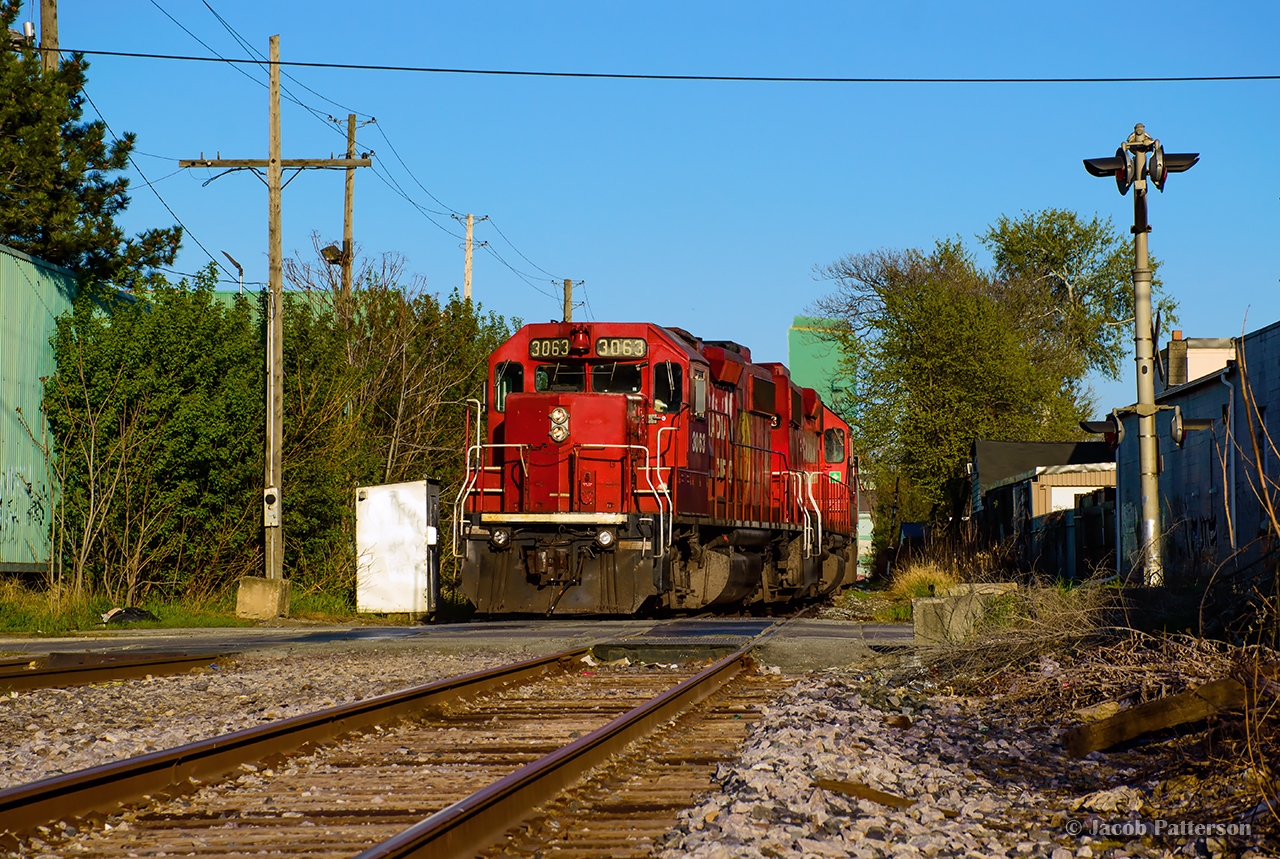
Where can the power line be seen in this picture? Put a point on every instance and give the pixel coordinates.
(387, 179)
(185, 231)
(452, 211)
(244, 43)
(522, 256)
(673, 77)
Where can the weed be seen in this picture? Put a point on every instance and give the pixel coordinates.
(24, 610)
(322, 605)
(921, 578)
(896, 612)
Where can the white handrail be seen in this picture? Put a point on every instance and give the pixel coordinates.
(817, 512)
(468, 484)
(671, 524)
(806, 529)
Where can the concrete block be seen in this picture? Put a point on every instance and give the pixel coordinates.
(263, 598)
(930, 617)
(983, 588)
(949, 620)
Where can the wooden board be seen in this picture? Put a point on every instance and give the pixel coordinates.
(1208, 700)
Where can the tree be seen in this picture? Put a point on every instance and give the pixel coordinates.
(377, 398)
(942, 351)
(156, 409)
(1068, 286)
(59, 197)
(937, 362)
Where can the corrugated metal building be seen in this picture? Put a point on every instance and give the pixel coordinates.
(813, 356)
(1214, 488)
(33, 293)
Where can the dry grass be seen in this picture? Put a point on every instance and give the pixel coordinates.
(1019, 627)
(1223, 769)
(922, 578)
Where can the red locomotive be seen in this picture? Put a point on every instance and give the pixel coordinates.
(628, 467)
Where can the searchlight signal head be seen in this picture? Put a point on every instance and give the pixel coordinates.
(1124, 166)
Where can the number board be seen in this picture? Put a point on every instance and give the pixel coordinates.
(622, 347)
(549, 347)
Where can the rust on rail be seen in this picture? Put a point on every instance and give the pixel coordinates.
(57, 670)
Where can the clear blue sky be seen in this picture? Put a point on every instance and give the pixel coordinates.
(704, 204)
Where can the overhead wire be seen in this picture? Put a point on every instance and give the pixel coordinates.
(185, 230)
(383, 175)
(244, 43)
(674, 77)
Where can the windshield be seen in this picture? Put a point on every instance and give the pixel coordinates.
(615, 378)
(560, 378)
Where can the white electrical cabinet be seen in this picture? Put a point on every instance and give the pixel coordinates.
(397, 537)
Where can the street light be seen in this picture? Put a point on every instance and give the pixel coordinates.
(332, 254)
(239, 269)
(1138, 159)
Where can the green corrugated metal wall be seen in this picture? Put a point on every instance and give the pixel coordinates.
(813, 356)
(814, 360)
(32, 295)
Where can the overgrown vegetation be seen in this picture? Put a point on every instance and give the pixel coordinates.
(157, 416)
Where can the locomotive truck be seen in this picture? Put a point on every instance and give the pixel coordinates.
(625, 468)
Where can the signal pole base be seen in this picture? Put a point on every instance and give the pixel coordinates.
(263, 599)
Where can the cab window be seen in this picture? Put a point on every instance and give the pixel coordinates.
(833, 445)
(508, 378)
(560, 378)
(668, 387)
(615, 378)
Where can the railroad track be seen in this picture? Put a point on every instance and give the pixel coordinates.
(81, 669)
(448, 778)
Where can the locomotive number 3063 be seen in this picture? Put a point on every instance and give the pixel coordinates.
(621, 347)
(549, 347)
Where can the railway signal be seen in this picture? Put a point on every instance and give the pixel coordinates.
(1138, 159)
(1110, 428)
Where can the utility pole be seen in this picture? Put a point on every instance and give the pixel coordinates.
(48, 35)
(273, 456)
(466, 272)
(469, 246)
(1138, 159)
(568, 300)
(344, 308)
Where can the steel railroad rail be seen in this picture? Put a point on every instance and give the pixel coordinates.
(477, 821)
(471, 823)
(102, 789)
(56, 670)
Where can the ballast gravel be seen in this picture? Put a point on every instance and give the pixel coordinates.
(47, 732)
(963, 778)
(934, 758)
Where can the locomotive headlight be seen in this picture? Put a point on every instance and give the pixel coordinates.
(559, 424)
(605, 538)
(501, 538)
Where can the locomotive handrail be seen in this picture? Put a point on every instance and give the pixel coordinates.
(671, 525)
(816, 511)
(807, 529)
(468, 485)
(662, 530)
